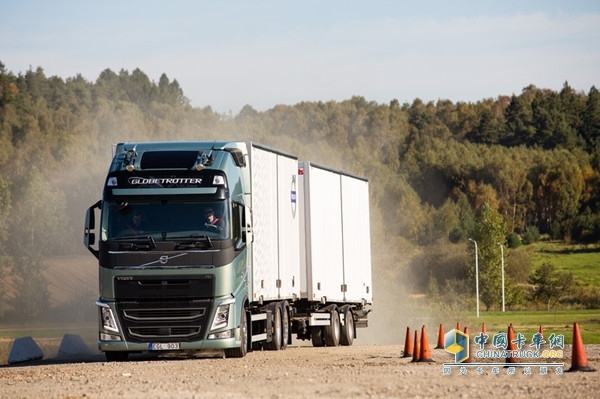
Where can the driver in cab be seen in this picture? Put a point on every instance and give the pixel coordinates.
(211, 221)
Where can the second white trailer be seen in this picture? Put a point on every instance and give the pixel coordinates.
(335, 246)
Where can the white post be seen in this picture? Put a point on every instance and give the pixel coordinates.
(502, 257)
(476, 274)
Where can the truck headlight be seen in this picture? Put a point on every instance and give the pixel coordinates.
(109, 337)
(109, 322)
(221, 316)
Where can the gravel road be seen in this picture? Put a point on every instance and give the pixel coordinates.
(360, 371)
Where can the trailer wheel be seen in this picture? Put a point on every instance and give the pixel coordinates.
(347, 332)
(242, 350)
(285, 324)
(316, 336)
(116, 356)
(332, 332)
(276, 338)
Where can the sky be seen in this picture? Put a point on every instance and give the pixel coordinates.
(262, 53)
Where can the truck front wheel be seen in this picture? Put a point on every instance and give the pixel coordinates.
(242, 350)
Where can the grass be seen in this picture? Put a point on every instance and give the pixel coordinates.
(581, 260)
(529, 322)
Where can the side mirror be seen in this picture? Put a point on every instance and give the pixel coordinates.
(89, 237)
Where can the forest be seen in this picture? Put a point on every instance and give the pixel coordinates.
(528, 165)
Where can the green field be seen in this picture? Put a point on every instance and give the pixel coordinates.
(529, 323)
(581, 260)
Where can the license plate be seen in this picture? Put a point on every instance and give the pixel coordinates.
(167, 346)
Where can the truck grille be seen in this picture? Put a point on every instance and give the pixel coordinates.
(159, 309)
(164, 321)
(141, 314)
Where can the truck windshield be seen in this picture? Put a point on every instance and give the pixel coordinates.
(165, 220)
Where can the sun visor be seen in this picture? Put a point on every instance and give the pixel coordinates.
(169, 159)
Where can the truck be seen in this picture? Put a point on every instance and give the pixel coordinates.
(229, 247)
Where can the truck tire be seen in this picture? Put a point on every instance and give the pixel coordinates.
(332, 332)
(242, 350)
(285, 324)
(347, 332)
(277, 335)
(116, 356)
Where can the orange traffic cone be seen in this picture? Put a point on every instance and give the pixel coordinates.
(470, 358)
(425, 352)
(511, 345)
(440, 343)
(541, 332)
(578, 358)
(458, 326)
(416, 348)
(408, 345)
(483, 330)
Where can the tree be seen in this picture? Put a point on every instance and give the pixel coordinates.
(109, 86)
(519, 122)
(559, 188)
(591, 119)
(139, 88)
(490, 230)
(170, 92)
(549, 284)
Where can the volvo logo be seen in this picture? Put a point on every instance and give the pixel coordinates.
(162, 260)
(293, 198)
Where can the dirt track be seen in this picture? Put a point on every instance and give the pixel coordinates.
(297, 372)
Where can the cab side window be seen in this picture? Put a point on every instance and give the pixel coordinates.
(237, 224)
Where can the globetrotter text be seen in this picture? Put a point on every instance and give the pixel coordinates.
(135, 181)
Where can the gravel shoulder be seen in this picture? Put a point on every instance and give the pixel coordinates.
(373, 371)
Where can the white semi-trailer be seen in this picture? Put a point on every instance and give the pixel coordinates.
(230, 246)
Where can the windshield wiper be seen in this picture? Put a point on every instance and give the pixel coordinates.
(191, 241)
(136, 242)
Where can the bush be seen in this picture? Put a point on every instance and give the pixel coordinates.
(555, 231)
(518, 266)
(457, 235)
(588, 297)
(532, 234)
(442, 261)
(514, 241)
